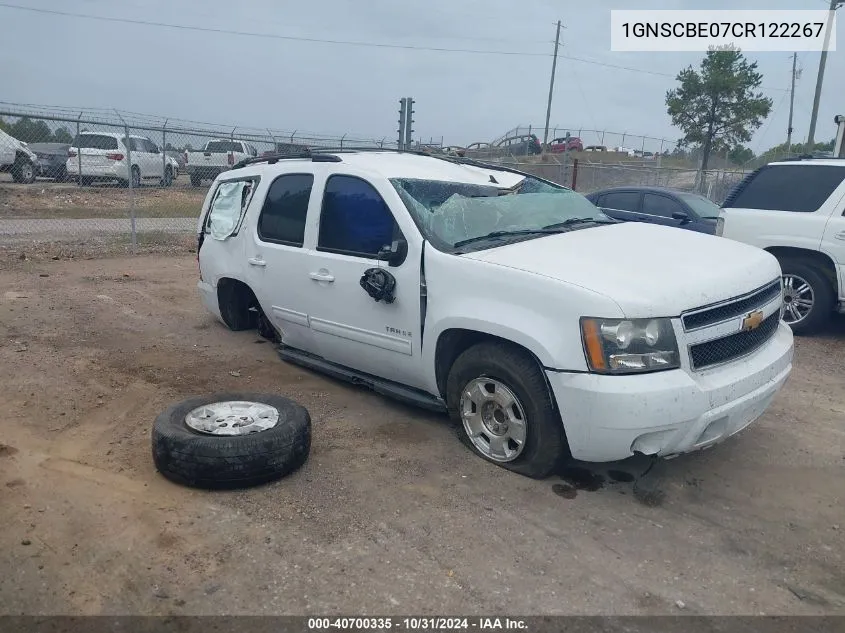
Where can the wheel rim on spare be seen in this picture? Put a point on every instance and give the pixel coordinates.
(494, 419)
(27, 171)
(798, 298)
(232, 417)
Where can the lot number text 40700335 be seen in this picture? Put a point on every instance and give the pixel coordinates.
(417, 624)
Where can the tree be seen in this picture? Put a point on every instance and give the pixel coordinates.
(62, 135)
(29, 131)
(719, 106)
(740, 154)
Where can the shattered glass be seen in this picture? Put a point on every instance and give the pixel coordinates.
(226, 208)
(452, 212)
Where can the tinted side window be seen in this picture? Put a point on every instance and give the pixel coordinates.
(95, 141)
(660, 205)
(283, 215)
(355, 219)
(802, 188)
(623, 200)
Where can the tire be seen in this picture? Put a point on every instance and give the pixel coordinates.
(61, 174)
(821, 290)
(87, 181)
(196, 180)
(544, 445)
(235, 301)
(23, 171)
(194, 458)
(168, 177)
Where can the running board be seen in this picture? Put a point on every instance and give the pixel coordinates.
(388, 388)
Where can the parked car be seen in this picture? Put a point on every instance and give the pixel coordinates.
(522, 145)
(454, 150)
(52, 159)
(626, 150)
(595, 148)
(796, 211)
(562, 144)
(18, 159)
(217, 156)
(286, 149)
(542, 326)
(658, 205)
(102, 156)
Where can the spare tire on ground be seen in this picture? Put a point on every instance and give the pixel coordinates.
(231, 440)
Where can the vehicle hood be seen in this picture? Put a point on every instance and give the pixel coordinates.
(647, 270)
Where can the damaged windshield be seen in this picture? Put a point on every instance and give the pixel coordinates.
(454, 215)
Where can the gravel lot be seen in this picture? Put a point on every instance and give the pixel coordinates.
(390, 515)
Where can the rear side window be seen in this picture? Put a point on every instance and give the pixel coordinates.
(355, 220)
(227, 207)
(95, 141)
(654, 204)
(800, 188)
(282, 218)
(622, 200)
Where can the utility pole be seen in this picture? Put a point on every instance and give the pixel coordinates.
(811, 137)
(403, 114)
(551, 86)
(791, 106)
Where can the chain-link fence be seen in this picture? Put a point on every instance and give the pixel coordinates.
(103, 176)
(124, 177)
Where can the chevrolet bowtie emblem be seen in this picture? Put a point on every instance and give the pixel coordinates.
(752, 321)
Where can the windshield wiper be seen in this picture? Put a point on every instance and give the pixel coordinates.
(572, 221)
(489, 236)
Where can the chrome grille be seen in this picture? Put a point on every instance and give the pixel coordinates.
(736, 345)
(711, 315)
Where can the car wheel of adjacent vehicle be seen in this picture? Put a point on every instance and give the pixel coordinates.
(499, 398)
(136, 177)
(23, 171)
(168, 177)
(231, 440)
(808, 297)
(196, 181)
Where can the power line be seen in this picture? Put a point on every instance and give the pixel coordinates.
(315, 40)
(274, 36)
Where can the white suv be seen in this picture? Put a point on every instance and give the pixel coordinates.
(104, 156)
(796, 211)
(540, 324)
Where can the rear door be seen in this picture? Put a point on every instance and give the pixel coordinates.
(351, 328)
(95, 150)
(277, 259)
(833, 240)
(622, 205)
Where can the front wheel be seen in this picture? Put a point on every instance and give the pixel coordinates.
(23, 171)
(808, 297)
(497, 394)
(168, 177)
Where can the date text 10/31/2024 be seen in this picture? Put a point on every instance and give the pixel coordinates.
(417, 624)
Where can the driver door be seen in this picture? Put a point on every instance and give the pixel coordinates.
(350, 327)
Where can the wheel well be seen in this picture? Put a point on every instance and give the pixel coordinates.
(20, 157)
(819, 259)
(234, 290)
(454, 342)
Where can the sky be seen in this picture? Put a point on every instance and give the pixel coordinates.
(335, 89)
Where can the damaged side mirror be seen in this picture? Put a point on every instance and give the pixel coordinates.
(394, 254)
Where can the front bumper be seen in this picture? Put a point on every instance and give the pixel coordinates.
(608, 418)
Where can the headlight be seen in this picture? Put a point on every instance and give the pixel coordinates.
(629, 346)
(720, 226)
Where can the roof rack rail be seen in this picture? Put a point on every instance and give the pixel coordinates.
(324, 154)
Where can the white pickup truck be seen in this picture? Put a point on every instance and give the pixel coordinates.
(542, 326)
(217, 156)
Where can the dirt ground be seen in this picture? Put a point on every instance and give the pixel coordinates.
(391, 514)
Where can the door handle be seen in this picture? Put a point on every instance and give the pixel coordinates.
(321, 276)
(255, 261)
(840, 235)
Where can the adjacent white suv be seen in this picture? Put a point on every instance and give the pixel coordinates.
(18, 159)
(796, 211)
(540, 324)
(103, 156)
